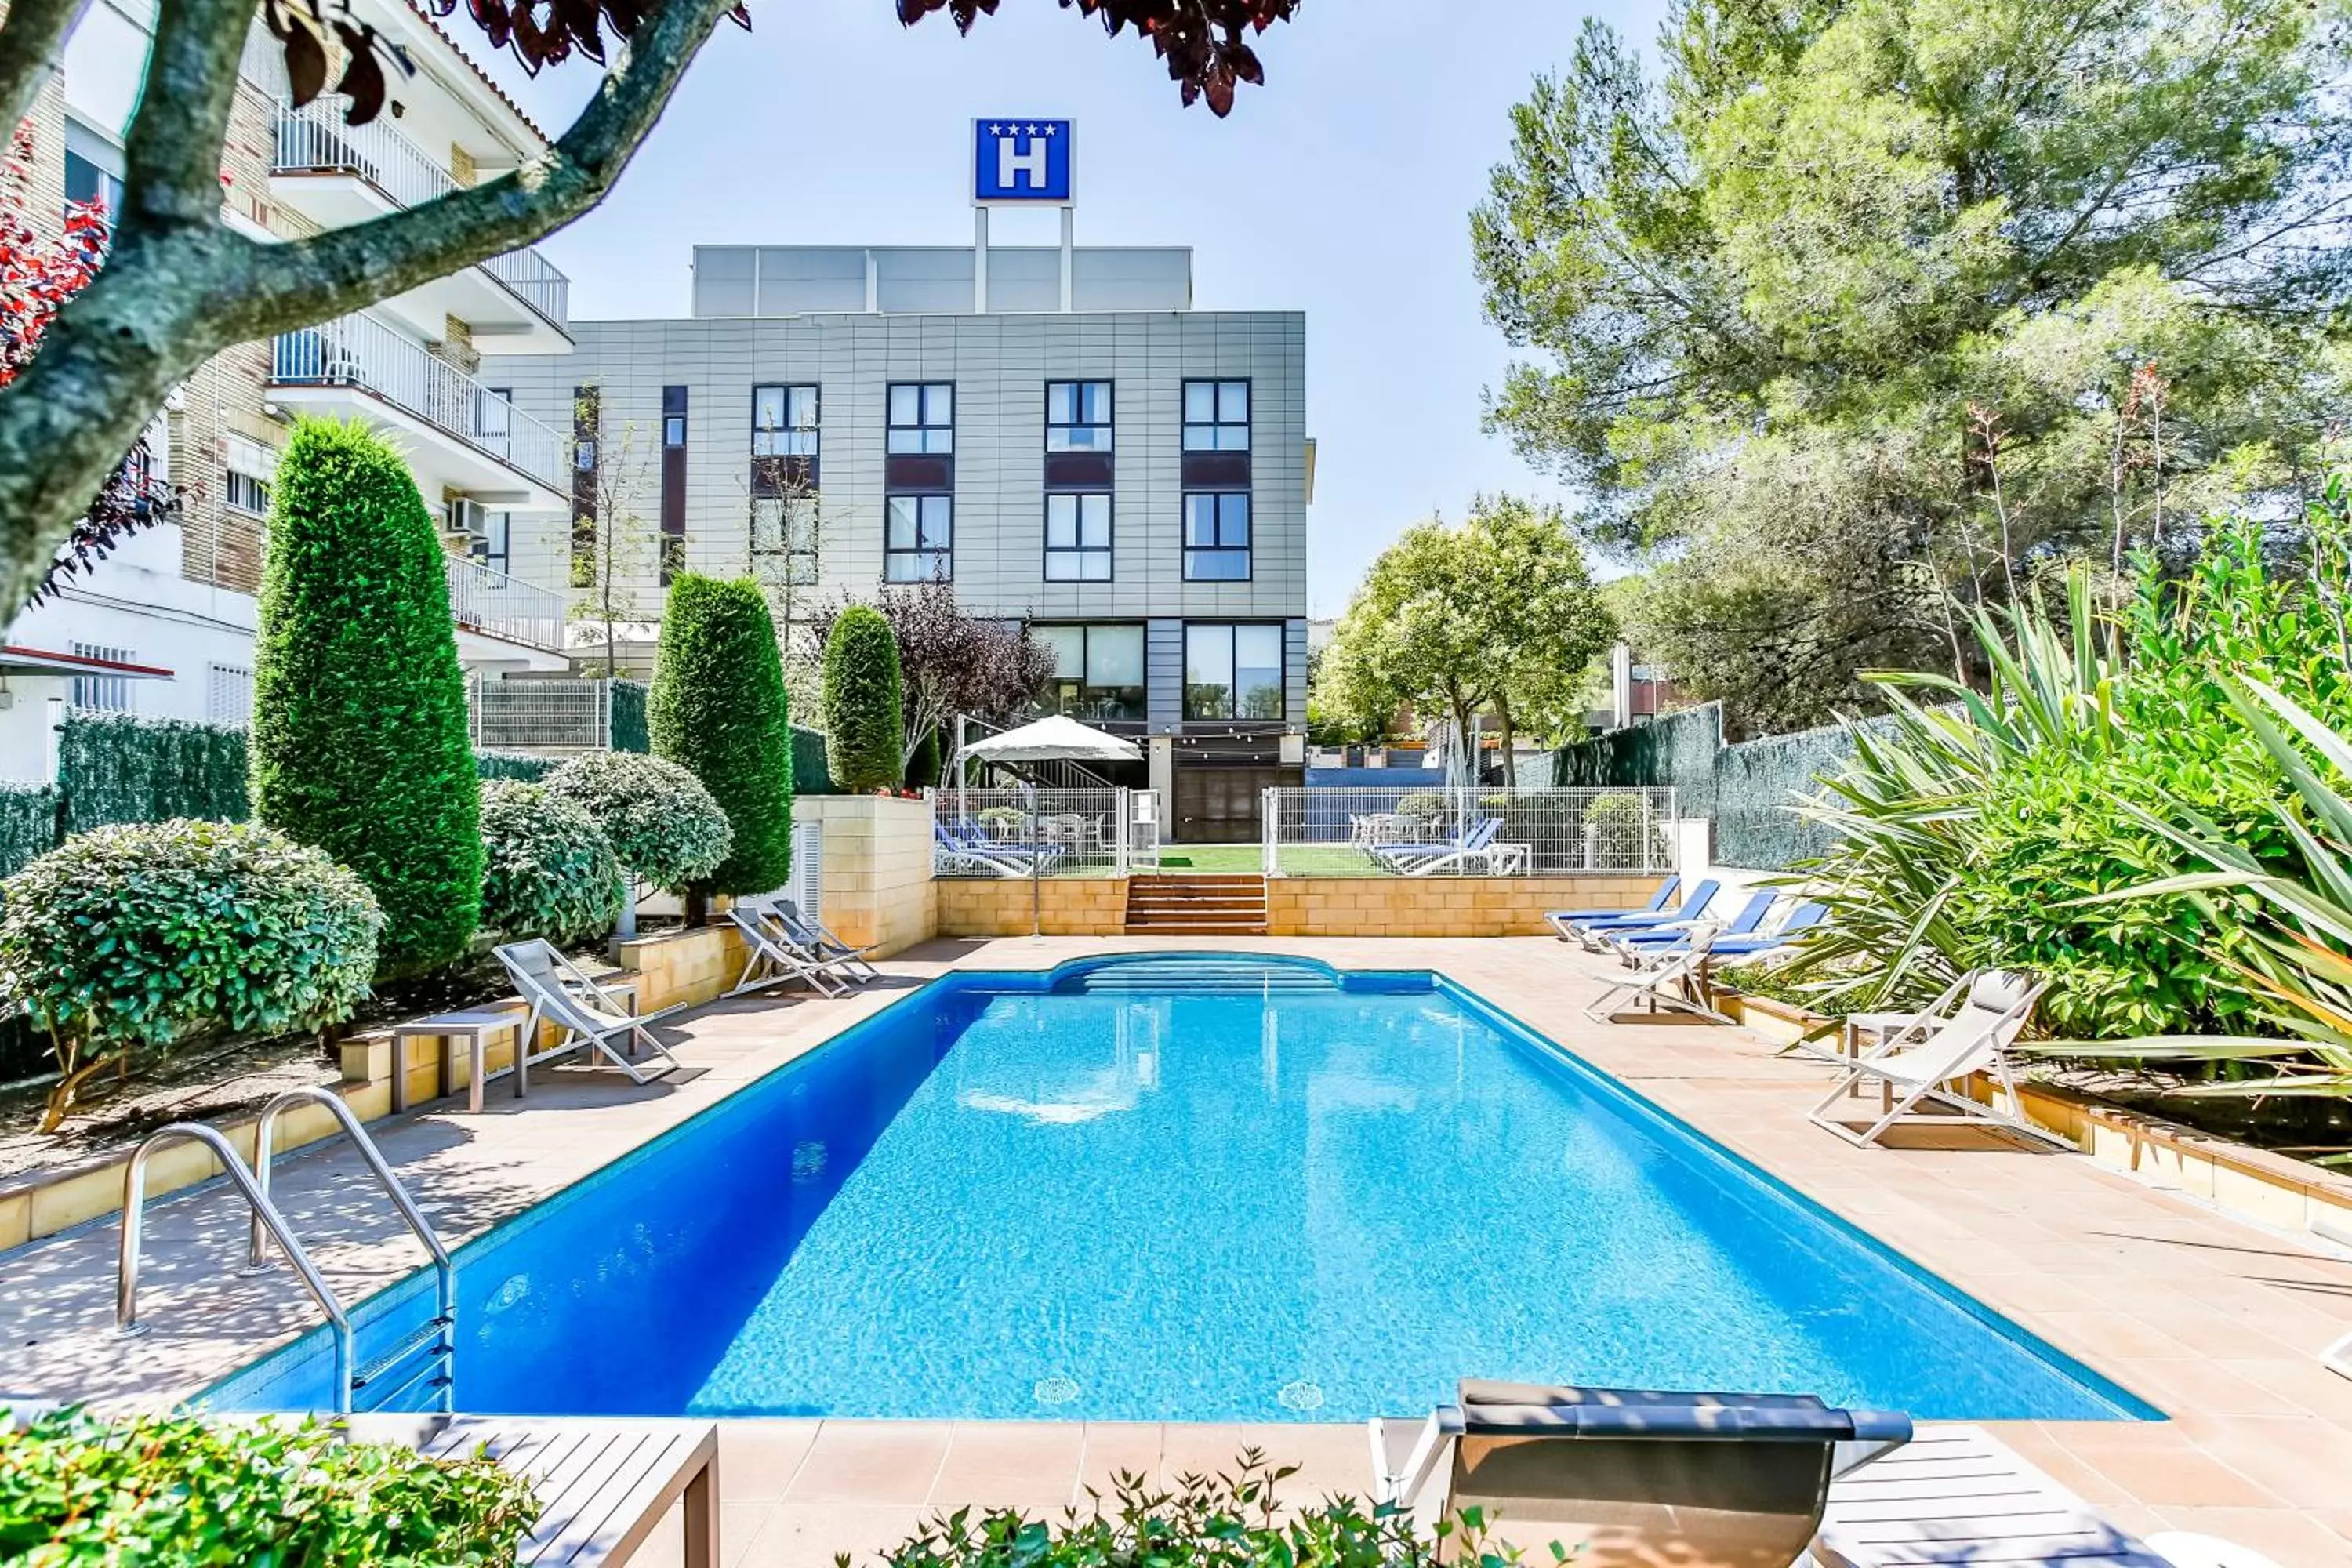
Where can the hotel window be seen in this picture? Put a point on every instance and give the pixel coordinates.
(249, 466)
(1216, 416)
(1217, 537)
(1078, 539)
(673, 483)
(784, 531)
(93, 171)
(922, 417)
(1077, 416)
(1233, 671)
(1098, 673)
(784, 421)
(101, 693)
(918, 542)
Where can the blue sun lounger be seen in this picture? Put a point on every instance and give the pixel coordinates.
(1658, 901)
(1587, 933)
(1751, 915)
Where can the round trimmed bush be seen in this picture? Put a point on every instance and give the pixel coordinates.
(662, 823)
(148, 934)
(549, 870)
(359, 740)
(863, 739)
(718, 710)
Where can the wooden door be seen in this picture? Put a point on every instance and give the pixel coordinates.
(1222, 806)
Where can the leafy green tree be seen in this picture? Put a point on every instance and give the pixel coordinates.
(360, 742)
(1497, 614)
(864, 709)
(1856, 304)
(718, 709)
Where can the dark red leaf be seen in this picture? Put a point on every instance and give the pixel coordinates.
(362, 81)
(492, 17)
(306, 64)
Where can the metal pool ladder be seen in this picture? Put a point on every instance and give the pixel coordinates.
(423, 1360)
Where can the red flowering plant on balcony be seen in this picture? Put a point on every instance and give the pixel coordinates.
(39, 273)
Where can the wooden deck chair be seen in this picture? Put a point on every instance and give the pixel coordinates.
(1923, 1061)
(820, 939)
(1623, 1477)
(594, 1020)
(1674, 979)
(777, 956)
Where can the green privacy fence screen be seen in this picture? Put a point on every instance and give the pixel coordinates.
(809, 776)
(112, 767)
(629, 733)
(1746, 789)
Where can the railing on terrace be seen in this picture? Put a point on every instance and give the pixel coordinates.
(995, 833)
(486, 599)
(556, 714)
(360, 350)
(1395, 831)
(313, 139)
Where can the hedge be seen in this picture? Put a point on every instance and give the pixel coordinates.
(718, 709)
(810, 774)
(523, 765)
(864, 712)
(360, 734)
(629, 717)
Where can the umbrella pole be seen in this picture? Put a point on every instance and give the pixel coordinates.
(1036, 881)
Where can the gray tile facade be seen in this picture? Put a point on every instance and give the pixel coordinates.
(999, 364)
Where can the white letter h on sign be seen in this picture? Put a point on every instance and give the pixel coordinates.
(1029, 160)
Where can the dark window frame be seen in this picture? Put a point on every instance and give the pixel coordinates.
(1107, 550)
(1109, 424)
(1247, 549)
(1232, 630)
(1246, 423)
(920, 499)
(1140, 712)
(765, 442)
(890, 426)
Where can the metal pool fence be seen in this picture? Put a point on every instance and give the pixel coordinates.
(1394, 831)
(1015, 832)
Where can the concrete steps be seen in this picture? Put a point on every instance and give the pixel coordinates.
(1176, 904)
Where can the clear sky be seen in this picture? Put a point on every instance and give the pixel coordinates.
(1341, 188)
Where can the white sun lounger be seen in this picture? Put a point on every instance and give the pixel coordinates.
(778, 956)
(1674, 979)
(820, 939)
(1916, 1060)
(594, 1020)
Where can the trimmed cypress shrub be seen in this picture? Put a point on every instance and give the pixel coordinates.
(862, 702)
(923, 773)
(718, 710)
(360, 743)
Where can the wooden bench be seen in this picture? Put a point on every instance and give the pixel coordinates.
(605, 1485)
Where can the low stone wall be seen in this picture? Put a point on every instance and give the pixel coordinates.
(1067, 906)
(1440, 906)
(877, 887)
(684, 967)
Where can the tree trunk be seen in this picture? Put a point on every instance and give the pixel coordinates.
(1510, 756)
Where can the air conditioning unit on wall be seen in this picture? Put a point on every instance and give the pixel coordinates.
(467, 516)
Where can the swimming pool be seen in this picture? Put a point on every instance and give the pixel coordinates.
(1188, 1187)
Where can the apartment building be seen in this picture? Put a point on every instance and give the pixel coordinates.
(1057, 432)
(165, 627)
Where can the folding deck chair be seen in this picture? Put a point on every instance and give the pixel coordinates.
(819, 938)
(777, 956)
(593, 1019)
(1587, 933)
(1916, 1058)
(1624, 1476)
(1674, 979)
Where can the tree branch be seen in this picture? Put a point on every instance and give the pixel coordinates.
(340, 270)
(32, 43)
(170, 160)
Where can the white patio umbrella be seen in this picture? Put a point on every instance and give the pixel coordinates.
(1054, 740)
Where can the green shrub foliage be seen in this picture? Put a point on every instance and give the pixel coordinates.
(148, 934)
(29, 823)
(718, 710)
(524, 765)
(863, 706)
(360, 734)
(662, 823)
(1233, 1520)
(169, 1489)
(549, 870)
(923, 773)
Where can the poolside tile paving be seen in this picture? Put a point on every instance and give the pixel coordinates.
(2215, 1320)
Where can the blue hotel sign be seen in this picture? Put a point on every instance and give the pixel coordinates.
(1021, 161)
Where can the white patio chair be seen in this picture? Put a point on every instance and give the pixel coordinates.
(594, 1020)
(819, 939)
(1674, 979)
(778, 957)
(1917, 1057)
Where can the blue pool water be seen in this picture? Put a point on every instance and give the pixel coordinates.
(1206, 1190)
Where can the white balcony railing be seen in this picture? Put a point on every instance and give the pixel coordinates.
(360, 350)
(313, 139)
(486, 599)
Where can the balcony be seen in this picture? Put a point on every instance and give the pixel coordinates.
(460, 434)
(339, 174)
(487, 602)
